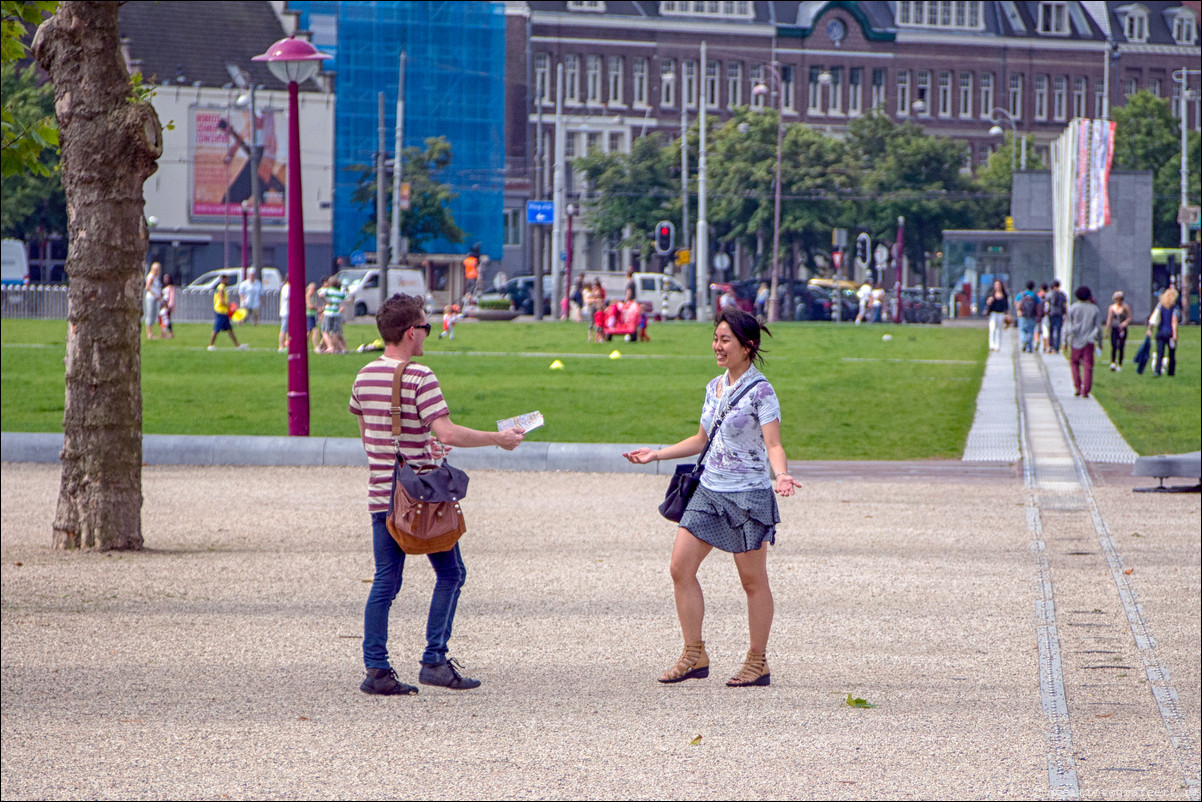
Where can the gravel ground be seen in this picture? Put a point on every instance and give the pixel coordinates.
(224, 660)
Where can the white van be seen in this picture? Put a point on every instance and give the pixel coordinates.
(208, 281)
(15, 262)
(365, 297)
(658, 293)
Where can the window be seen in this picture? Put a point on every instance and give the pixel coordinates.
(597, 6)
(1130, 87)
(712, 70)
(1080, 88)
(617, 75)
(592, 142)
(569, 144)
(945, 94)
(690, 83)
(1098, 100)
(1060, 98)
(1016, 96)
(1041, 97)
(571, 78)
(965, 95)
(814, 99)
(788, 87)
(835, 105)
(924, 92)
(667, 82)
(757, 79)
(729, 9)
(734, 84)
(593, 78)
(1053, 18)
(617, 142)
(878, 89)
(638, 87)
(949, 14)
(542, 78)
(903, 93)
(511, 227)
(1154, 86)
(1185, 27)
(855, 91)
(1135, 25)
(986, 95)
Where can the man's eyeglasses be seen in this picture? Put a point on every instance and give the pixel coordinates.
(424, 327)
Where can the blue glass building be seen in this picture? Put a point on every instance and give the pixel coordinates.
(454, 87)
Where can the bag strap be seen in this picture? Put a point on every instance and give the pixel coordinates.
(394, 409)
(718, 423)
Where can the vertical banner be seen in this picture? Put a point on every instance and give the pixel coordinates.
(1096, 140)
(220, 147)
(1079, 137)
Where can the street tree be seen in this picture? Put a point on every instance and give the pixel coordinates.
(1147, 137)
(33, 194)
(429, 216)
(995, 179)
(111, 140)
(628, 193)
(23, 135)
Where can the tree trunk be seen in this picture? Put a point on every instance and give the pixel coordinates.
(110, 144)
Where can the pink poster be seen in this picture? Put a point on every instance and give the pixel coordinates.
(221, 163)
(1081, 207)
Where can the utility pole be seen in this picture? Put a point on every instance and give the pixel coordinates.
(381, 210)
(397, 250)
(684, 165)
(559, 191)
(256, 189)
(701, 255)
(536, 232)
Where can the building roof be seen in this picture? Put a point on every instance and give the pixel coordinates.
(188, 40)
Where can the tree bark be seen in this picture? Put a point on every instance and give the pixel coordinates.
(110, 144)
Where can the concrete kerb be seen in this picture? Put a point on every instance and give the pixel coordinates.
(171, 449)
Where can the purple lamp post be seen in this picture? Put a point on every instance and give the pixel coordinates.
(294, 61)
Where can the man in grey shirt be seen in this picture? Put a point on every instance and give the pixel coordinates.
(1083, 333)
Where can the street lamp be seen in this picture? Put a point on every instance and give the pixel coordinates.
(294, 61)
(245, 214)
(997, 130)
(1181, 76)
(247, 101)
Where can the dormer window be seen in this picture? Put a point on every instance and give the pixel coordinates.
(1135, 23)
(1053, 18)
(728, 9)
(949, 14)
(596, 6)
(1185, 26)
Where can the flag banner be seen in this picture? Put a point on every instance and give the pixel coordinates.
(220, 147)
(1098, 137)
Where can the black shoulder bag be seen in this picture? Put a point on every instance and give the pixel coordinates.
(686, 478)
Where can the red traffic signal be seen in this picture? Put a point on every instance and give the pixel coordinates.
(665, 237)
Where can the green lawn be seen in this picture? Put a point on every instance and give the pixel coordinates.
(846, 393)
(1156, 415)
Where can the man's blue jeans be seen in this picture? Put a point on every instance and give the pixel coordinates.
(1055, 322)
(449, 573)
(1026, 327)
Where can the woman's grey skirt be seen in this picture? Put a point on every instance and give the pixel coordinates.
(734, 522)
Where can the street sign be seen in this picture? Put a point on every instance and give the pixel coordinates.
(837, 259)
(721, 261)
(405, 193)
(881, 254)
(683, 256)
(358, 258)
(839, 238)
(1190, 216)
(540, 213)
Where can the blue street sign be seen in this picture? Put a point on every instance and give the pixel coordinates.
(358, 258)
(540, 212)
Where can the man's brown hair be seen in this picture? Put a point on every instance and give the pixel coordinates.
(397, 315)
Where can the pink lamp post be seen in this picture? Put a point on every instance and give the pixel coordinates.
(245, 241)
(294, 61)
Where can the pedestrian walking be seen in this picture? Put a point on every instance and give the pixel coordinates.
(1026, 304)
(167, 308)
(1118, 317)
(1163, 326)
(250, 295)
(221, 315)
(152, 296)
(331, 318)
(997, 306)
(285, 294)
(1057, 305)
(733, 508)
(423, 412)
(1083, 331)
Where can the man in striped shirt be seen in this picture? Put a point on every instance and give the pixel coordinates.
(404, 329)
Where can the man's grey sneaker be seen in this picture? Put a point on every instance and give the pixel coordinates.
(384, 682)
(445, 675)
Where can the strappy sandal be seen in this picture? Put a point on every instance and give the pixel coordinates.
(754, 672)
(694, 663)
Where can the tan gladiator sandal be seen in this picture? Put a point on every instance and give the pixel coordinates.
(694, 663)
(753, 672)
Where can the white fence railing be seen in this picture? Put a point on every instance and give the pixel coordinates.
(49, 302)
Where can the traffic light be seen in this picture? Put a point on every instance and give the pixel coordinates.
(665, 237)
(863, 249)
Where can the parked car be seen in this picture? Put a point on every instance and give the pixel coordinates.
(520, 292)
(653, 291)
(208, 281)
(364, 297)
(849, 302)
(350, 278)
(798, 301)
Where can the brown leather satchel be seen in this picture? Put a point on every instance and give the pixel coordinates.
(423, 512)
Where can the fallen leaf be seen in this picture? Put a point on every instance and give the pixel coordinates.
(696, 741)
(18, 564)
(367, 581)
(303, 718)
(861, 703)
(1103, 715)
(1138, 534)
(1128, 571)
(131, 721)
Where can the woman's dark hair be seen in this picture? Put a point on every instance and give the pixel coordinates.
(397, 315)
(1083, 293)
(167, 280)
(746, 329)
